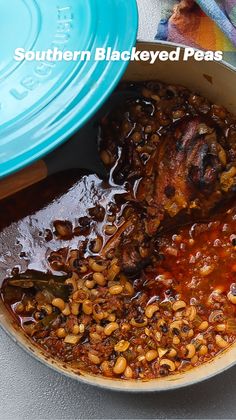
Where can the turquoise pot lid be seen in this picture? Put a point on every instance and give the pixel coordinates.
(42, 103)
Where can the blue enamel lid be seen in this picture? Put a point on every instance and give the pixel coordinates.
(43, 102)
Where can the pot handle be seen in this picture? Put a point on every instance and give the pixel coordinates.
(23, 179)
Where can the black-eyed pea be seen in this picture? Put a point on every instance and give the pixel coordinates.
(94, 293)
(155, 138)
(203, 350)
(113, 271)
(93, 358)
(200, 338)
(81, 328)
(99, 329)
(105, 315)
(111, 218)
(194, 359)
(98, 314)
(80, 295)
(220, 327)
(75, 329)
(178, 305)
(147, 332)
(220, 342)
(114, 261)
(144, 252)
(176, 326)
(216, 316)
(151, 310)
(161, 323)
(136, 137)
(73, 281)
(190, 351)
(106, 370)
(190, 333)
(203, 326)
(110, 328)
(110, 229)
(139, 349)
(172, 353)
(122, 346)
(96, 245)
(75, 308)
(67, 310)
(95, 337)
(111, 317)
(73, 253)
(96, 266)
(128, 372)
(230, 326)
(232, 298)
(63, 228)
(178, 114)
(47, 308)
(59, 303)
(116, 289)
(99, 279)
(139, 323)
(37, 316)
(186, 330)
(158, 336)
(61, 333)
(129, 288)
(169, 364)
(87, 307)
(222, 156)
(151, 355)
(89, 284)
(120, 365)
(83, 269)
(206, 270)
(176, 340)
(191, 313)
(125, 327)
(179, 314)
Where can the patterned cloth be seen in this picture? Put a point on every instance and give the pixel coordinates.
(206, 24)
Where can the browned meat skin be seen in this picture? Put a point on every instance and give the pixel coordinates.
(182, 176)
(186, 169)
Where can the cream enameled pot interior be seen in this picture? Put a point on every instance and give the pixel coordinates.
(217, 82)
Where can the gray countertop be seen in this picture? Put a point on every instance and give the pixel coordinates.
(29, 390)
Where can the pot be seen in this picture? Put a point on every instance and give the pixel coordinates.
(217, 82)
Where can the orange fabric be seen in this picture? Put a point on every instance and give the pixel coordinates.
(191, 26)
